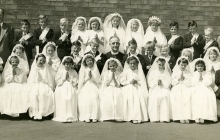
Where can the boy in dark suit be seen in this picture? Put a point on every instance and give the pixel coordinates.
(165, 50)
(75, 49)
(61, 38)
(149, 56)
(193, 39)
(42, 34)
(99, 57)
(114, 43)
(24, 37)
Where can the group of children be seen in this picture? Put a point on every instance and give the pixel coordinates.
(110, 72)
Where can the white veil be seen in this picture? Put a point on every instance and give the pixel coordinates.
(206, 57)
(109, 31)
(138, 35)
(105, 69)
(74, 26)
(177, 68)
(189, 50)
(46, 73)
(95, 18)
(94, 70)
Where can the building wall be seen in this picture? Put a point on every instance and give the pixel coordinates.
(205, 12)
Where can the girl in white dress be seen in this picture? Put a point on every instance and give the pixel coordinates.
(134, 90)
(13, 99)
(159, 81)
(95, 30)
(65, 93)
(79, 32)
(114, 25)
(212, 60)
(88, 100)
(154, 33)
(180, 96)
(52, 59)
(111, 99)
(203, 98)
(135, 30)
(40, 88)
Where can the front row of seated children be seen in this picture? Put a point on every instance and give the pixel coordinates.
(118, 94)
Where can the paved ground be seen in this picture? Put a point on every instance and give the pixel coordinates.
(50, 130)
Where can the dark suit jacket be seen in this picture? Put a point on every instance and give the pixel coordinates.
(64, 48)
(28, 47)
(178, 46)
(141, 59)
(118, 56)
(78, 65)
(100, 63)
(148, 62)
(172, 62)
(198, 48)
(217, 78)
(6, 39)
(213, 44)
(37, 42)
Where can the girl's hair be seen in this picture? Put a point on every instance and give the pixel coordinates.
(129, 59)
(18, 47)
(95, 20)
(116, 16)
(112, 61)
(192, 23)
(76, 43)
(25, 22)
(13, 57)
(40, 55)
(191, 54)
(200, 62)
(174, 23)
(86, 57)
(213, 50)
(133, 42)
(161, 60)
(68, 61)
(183, 60)
(150, 22)
(52, 46)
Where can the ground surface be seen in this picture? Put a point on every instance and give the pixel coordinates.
(50, 130)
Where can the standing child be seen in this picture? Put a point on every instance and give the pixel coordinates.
(111, 99)
(50, 51)
(24, 37)
(79, 32)
(88, 100)
(65, 93)
(114, 25)
(75, 49)
(164, 51)
(209, 39)
(180, 96)
(95, 30)
(134, 90)
(42, 34)
(203, 98)
(61, 38)
(174, 40)
(40, 88)
(159, 81)
(13, 99)
(194, 40)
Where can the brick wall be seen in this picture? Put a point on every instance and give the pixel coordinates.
(205, 12)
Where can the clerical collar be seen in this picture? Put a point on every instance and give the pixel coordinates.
(113, 53)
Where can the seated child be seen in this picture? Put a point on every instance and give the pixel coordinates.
(13, 99)
(203, 98)
(61, 38)
(159, 81)
(174, 40)
(194, 40)
(111, 99)
(99, 57)
(40, 88)
(75, 49)
(149, 56)
(24, 37)
(88, 101)
(134, 90)
(65, 93)
(42, 34)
